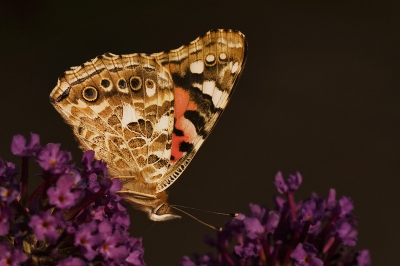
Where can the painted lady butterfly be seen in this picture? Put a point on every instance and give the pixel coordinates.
(147, 115)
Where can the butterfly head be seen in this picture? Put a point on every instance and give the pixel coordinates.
(162, 213)
(155, 206)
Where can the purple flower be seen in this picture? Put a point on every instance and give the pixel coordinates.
(272, 222)
(94, 185)
(78, 182)
(88, 224)
(61, 196)
(248, 249)
(87, 240)
(87, 160)
(254, 229)
(236, 225)
(52, 159)
(305, 255)
(45, 224)
(258, 212)
(100, 167)
(121, 219)
(312, 211)
(11, 257)
(6, 215)
(9, 194)
(289, 234)
(294, 181)
(280, 183)
(346, 206)
(199, 260)
(19, 147)
(135, 250)
(71, 261)
(291, 184)
(98, 213)
(364, 258)
(186, 261)
(110, 248)
(7, 170)
(347, 233)
(260, 227)
(280, 203)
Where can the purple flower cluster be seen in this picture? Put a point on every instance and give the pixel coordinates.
(73, 218)
(312, 232)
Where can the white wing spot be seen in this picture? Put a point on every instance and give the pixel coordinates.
(197, 85)
(235, 67)
(210, 58)
(197, 67)
(222, 56)
(208, 87)
(150, 89)
(216, 96)
(162, 124)
(128, 115)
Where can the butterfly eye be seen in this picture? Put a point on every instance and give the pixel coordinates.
(90, 94)
(105, 83)
(162, 209)
(136, 83)
(122, 84)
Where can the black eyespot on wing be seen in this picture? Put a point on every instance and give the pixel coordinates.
(90, 94)
(136, 83)
(149, 83)
(105, 83)
(122, 84)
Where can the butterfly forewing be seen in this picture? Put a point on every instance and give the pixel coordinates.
(147, 115)
(204, 73)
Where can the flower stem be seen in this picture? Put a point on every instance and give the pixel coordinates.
(24, 180)
(49, 179)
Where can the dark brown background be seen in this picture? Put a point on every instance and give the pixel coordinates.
(319, 94)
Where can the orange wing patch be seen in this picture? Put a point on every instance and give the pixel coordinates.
(185, 131)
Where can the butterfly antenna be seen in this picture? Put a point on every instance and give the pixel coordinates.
(233, 214)
(148, 229)
(200, 221)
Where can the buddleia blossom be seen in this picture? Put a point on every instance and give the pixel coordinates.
(74, 217)
(310, 232)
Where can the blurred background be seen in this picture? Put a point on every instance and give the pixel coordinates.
(319, 94)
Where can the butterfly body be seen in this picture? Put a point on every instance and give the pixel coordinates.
(147, 115)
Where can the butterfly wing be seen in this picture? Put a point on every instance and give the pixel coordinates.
(147, 116)
(204, 74)
(122, 108)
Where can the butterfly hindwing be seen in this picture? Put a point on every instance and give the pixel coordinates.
(129, 120)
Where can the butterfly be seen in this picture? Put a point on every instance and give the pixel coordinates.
(146, 116)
